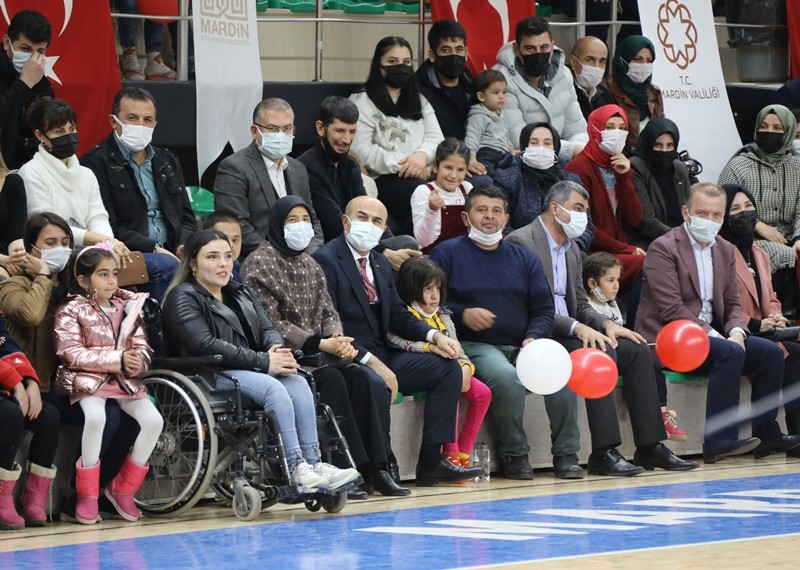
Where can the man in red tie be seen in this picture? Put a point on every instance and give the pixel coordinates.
(361, 286)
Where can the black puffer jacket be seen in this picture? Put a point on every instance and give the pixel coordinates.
(197, 324)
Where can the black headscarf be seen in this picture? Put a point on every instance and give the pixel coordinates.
(546, 178)
(743, 243)
(664, 173)
(277, 219)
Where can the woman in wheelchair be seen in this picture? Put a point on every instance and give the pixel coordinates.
(291, 287)
(205, 313)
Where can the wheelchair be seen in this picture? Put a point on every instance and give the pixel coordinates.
(218, 443)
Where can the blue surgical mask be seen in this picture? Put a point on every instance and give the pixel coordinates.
(275, 145)
(19, 58)
(298, 235)
(703, 230)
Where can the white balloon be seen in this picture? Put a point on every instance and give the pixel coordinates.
(544, 366)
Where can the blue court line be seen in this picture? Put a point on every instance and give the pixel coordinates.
(464, 535)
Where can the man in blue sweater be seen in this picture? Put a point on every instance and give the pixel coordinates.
(501, 301)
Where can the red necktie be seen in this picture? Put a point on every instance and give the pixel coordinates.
(362, 269)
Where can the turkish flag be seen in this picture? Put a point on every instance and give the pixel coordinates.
(793, 17)
(81, 59)
(489, 24)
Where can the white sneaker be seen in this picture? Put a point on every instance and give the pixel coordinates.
(335, 477)
(305, 476)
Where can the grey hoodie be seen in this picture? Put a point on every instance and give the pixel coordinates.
(486, 129)
(525, 104)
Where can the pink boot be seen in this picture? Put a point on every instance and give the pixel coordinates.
(87, 483)
(124, 486)
(9, 518)
(35, 494)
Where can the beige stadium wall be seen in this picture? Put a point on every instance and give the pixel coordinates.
(287, 48)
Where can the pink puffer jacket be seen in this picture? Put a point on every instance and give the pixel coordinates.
(90, 353)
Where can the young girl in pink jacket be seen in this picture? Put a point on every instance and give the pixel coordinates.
(102, 348)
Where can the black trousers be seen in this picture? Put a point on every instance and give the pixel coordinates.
(361, 404)
(46, 428)
(639, 391)
(791, 379)
(395, 193)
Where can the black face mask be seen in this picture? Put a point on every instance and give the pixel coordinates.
(535, 64)
(331, 152)
(64, 146)
(769, 142)
(398, 76)
(661, 161)
(450, 66)
(743, 223)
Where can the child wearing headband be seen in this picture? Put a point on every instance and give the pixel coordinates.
(102, 349)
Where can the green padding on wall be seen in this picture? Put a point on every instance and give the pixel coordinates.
(681, 378)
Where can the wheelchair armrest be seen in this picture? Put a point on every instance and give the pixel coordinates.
(188, 362)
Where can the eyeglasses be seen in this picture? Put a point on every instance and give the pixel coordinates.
(272, 129)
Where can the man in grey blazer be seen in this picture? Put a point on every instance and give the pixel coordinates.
(250, 181)
(577, 325)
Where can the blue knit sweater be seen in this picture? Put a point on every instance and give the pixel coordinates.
(509, 281)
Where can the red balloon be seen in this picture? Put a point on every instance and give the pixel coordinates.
(682, 346)
(158, 8)
(594, 373)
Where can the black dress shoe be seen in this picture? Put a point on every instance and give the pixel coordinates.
(566, 467)
(713, 452)
(445, 472)
(793, 452)
(394, 471)
(383, 483)
(613, 464)
(517, 467)
(357, 494)
(783, 443)
(663, 458)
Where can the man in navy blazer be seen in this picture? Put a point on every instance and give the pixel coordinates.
(362, 288)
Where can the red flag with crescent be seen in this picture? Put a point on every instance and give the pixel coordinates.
(489, 24)
(81, 59)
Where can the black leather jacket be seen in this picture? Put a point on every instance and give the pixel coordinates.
(126, 204)
(197, 324)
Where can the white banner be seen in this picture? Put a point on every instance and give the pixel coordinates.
(687, 69)
(228, 75)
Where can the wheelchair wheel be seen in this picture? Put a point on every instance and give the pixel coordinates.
(182, 463)
(246, 503)
(335, 504)
(225, 473)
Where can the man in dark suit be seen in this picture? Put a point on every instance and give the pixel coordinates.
(361, 286)
(577, 325)
(251, 180)
(690, 274)
(142, 187)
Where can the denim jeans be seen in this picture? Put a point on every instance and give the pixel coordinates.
(160, 268)
(291, 400)
(153, 38)
(495, 366)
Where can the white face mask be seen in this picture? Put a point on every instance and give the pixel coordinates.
(483, 238)
(275, 145)
(639, 72)
(539, 157)
(134, 137)
(589, 77)
(613, 141)
(703, 230)
(599, 295)
(796, 147)
(576, 224)
(19, 58)
(363, 236)
(56, 258)
(298, 235)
